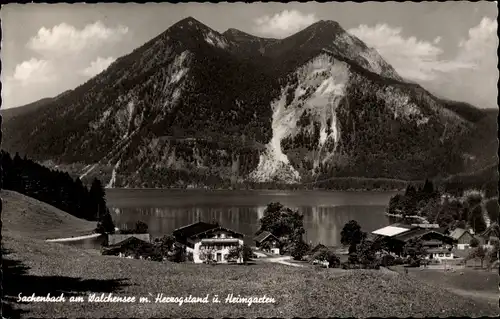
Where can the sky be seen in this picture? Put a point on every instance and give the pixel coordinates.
(447, 47)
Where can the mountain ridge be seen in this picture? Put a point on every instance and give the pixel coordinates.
(195, 106)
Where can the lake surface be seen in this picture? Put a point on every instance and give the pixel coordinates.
(325, 212)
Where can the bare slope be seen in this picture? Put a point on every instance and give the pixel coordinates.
(25, 216)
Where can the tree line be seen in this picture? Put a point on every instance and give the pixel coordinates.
(464, 210)
(56, 188)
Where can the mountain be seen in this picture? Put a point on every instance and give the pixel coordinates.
(9, 113)
(197, 107)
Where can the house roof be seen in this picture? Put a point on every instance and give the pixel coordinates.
(262, 236)
(392, 230)
(419, 232)
(131, 242)
(193, 229)
(431, 242)
(490, 231)
(218, 228)
(114, 239)
(458, 232)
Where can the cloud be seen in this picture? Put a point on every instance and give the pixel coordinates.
(65, 39)
(33, 71)
(414, 59)
(62, 58)
(284, 23)
(97, 66)
(470, 76)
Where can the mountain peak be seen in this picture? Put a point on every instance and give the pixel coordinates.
(326, 24)
(189, 23)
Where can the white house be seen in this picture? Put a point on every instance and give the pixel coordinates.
(439, 254)
(208, 241)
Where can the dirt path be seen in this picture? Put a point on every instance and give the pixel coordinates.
(68, 239)
(282, 260)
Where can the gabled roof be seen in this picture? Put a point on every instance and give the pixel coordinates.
(114, 239)
(218, 228)
(419, 232)
(263, 235)
(392, 230)
(458, 232)
(491, 231)
(131, 242)
(193, 229)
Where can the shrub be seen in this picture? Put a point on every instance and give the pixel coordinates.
(141, 227)
(474, 242)
(387, 260)
(328, 256)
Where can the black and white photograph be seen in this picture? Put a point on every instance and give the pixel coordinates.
(260, 159)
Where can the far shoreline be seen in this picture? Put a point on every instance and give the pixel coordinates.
(256, 190)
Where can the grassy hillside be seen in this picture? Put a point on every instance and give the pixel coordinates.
(25, 216)
(299, 292)
(31, 265)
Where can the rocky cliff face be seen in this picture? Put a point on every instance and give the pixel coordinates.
(196, 107)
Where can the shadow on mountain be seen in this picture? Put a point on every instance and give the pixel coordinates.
(16, 280)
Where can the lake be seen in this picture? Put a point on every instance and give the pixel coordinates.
(325, 212)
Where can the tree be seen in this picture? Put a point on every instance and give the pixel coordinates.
(242, 252)
(299, 249)
(97, 198)
(474, 242)
(414, 249)
(105, 225)
(365, 252)
(165, 245)
(428, 189)
(395, 206)
(141, 227)
(410, 192)
(282, 222)
(480, 253)
(493, 254)
(476, 219)
(351, 235)
(178, 253)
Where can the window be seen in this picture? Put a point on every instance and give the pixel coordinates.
(447, 255)
(441, 254)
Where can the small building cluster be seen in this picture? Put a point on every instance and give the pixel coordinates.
(208, 241)
(438, 245)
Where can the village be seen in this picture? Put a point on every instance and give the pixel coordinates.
(421, 245)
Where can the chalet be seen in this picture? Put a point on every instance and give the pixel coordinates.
(463, 238)
(433, 239)
(266, 241)
(208, 241)
(131, 247)
(489, 236)
(118, 238)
